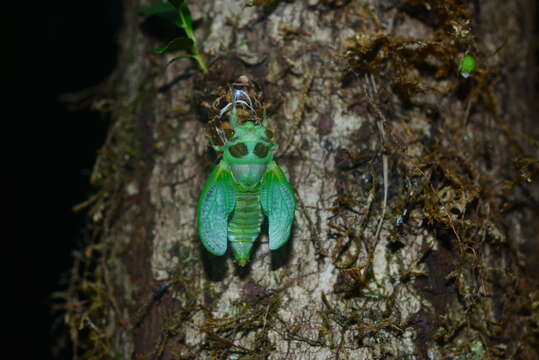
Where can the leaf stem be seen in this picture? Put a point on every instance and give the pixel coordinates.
(187, 25)
(198, 57)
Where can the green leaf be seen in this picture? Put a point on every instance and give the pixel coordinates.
(185, 16)
(181, 43)
(156, 9)
(176, 3)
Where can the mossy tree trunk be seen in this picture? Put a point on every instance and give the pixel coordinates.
(417, 188)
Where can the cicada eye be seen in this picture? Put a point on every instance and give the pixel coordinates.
(261, 150)
(229, 133)
(269, 134)
(238, 150)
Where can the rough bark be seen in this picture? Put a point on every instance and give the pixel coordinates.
(352, 85)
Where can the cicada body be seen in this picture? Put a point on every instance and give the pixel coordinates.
(246, 185)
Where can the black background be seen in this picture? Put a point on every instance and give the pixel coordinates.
(49, 49)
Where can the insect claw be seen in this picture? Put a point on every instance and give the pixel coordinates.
(244, 103)
(225, 109)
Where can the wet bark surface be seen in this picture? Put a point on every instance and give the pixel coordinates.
(414, 235)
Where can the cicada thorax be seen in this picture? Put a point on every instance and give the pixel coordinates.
(248, 153)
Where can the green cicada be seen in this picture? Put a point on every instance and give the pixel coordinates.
(246, 185)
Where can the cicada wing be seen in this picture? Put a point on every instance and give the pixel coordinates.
(278, 203)
(214, 207)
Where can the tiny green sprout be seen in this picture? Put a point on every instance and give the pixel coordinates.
(477, 350)
(467, 66)
(182, 21)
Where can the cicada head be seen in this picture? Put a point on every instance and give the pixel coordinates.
(248, 152)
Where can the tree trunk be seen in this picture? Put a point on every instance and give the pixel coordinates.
(417, 188)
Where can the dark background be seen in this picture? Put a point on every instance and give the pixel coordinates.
(48, 49)
(61, 47)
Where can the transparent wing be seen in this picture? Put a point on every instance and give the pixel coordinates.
(214, 207)
(278, 203)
